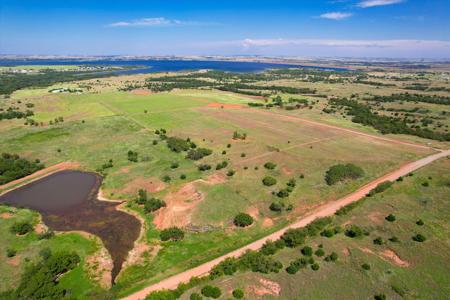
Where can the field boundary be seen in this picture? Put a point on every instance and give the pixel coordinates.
(325, 210)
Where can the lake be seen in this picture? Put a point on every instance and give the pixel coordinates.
(67, 200)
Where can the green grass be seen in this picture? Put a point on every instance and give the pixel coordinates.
(428, 271)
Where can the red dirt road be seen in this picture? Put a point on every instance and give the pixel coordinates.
(322, 211)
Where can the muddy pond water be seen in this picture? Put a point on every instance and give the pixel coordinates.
(67, 200)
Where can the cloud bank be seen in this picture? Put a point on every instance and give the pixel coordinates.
(156, 22)
(335, 16)
(373, 3)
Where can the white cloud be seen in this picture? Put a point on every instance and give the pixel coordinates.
(156, 22)
(335, 15)
(373, 3)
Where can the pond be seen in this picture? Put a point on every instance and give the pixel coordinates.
(67, 200)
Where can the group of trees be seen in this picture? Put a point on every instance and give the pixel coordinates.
(13, 167)
(150, 204)
(15, 113)
(171, 234)
(341, 172)
(407, 97)
(41, 280)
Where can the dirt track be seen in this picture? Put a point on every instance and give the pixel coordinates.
(323, 211)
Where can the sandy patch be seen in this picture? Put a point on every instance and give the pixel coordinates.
(346, 252)
(287, 171)
(376, 218)
(180, 204)
(266, 287)
(6, 215)
(225, 105)
(140, 253)
(253, 211)
(14, 261)
(99, 267)
(392, 256)
(141, 92)
(151, 185)
(267, 222)
(40, 228)
(125, 170)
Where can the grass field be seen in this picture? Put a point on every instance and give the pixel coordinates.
(101, 126)
(418, 271)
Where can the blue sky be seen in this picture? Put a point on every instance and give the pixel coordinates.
(345, 28)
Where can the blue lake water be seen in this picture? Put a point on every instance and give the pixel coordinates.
(151, 66)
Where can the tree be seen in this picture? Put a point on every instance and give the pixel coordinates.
(365, 266)
(378, 241)
(243, 220)
(390, 218)
(419, 238)
(195, 296)
(332, 257)
(294, 237)
(319, 252)
(342, 172)
(276, 206)
(199, 153)
(13, 167)
(21, 228)
(211, 291)
(153, 204)
(172, 233)
(269, 181)
(238, 294)
(315, 266)
(307, 251)
(354, 231)
(270, 165)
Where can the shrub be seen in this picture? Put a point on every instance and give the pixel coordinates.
(378, 241)
(291, 183)
(319, 252)
(204, 167)
(296, 265)
(199, 153)
(46, 235)
(258, 262)
(177, 144)
(276, 206)
(238, 294)
(155, 142)
(243, 154)
(354, 231)
(166, 178)
(222, 165)
(211, 291)
(172, 233)
(21, 228)
(243, 220)
(270, 248)
(420, 222)
(365, 267)
(153, 204)
(182, 176)
(132, 156)
(269, 181)
(11, 252)
(294, 237)
(231, 173)
(419, 238)
(283, 193)
(426, 184)
(195, 296)
(380, 297)
(390, 218)
(380, 188)
(394, 239)
(174, 165)
(332, 257)
(307, 251)
(342, 172)
(270, 165)
(226, 267)
(315, 266)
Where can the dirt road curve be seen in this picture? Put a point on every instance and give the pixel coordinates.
(323, 211)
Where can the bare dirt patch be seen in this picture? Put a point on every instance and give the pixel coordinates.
(40, 228)
(346, 252)
(99, 267)
(141, 92)
(181, 203)
(266, 287)
(151, 185)
(225, 105)
(6, 215)
(392, 256)
(376, 218)
(14, 261)
(267, 222)
(287, 171)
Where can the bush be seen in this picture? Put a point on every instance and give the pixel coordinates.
(258, 262)
(172, 233)
(390, 218)
(243, 220)
(21, 228)
(332, 257)
(177, 144)
(380, 297)
(394, 239)
(307, 251)
(231, 173)
(365, 267)
(166, 178)
(182, 176)
(315, 266)
(276, 206)
(270, 165)
(270, 248)
(342, 172)
(199, 153)
(11, 252)
(296, 265)
(153, 204)
(354, 231)
(238, 294)
(380, 188)
(132, 156)
(419, 238)
(204, 167)
(426, 184)
(420, 222)
(319, 252)
(226, 267)
(195, 296)
(222, 165)
(294, 237)
(283, 193)
(174, 165)
(269, 181)
(46, 235)
(378, 241)
(211, 291)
